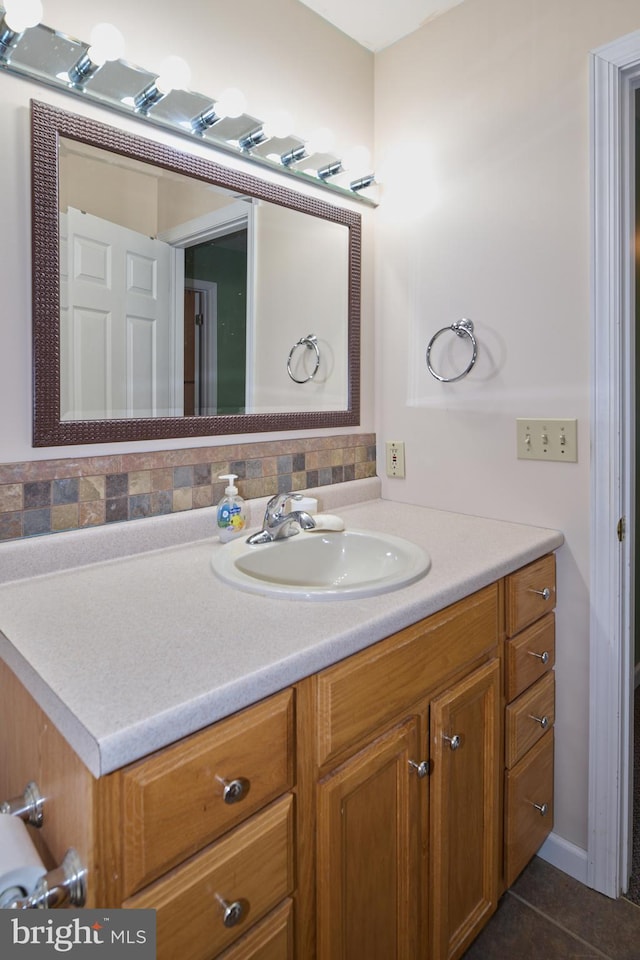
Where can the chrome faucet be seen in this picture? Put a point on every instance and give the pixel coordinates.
(278, 525)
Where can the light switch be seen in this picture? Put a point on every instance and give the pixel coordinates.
(547, 440)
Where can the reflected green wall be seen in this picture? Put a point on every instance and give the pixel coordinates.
(224, 261)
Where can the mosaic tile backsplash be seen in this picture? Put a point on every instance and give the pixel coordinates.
(47, 496)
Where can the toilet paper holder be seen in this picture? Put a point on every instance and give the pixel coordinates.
(66, 884)
(29, 806)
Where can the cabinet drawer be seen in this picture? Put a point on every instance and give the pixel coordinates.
(253, 865)
(528, 718)
(530, 782)
(525, 660)
(364, 692)
(271, 939)
(525, 593)
(173, 803)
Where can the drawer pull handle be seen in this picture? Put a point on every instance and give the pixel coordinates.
(543, 808)
(232, 913)
(543, 721)
(234, 790)
(454, 742)
(545, 594)
(544, 656)
(422, 769)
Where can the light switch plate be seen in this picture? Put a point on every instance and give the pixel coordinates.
(549, 439)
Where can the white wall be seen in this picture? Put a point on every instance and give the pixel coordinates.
(301, 288)
(281, 54)
(482, 143)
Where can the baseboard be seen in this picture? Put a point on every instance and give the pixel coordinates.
(565, 856)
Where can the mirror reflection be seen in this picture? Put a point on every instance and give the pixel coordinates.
(179, 297)
(176, 297)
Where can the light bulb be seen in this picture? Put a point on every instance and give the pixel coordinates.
(278, 124)
(175, 74)
(21, 14)
(107, 43)
(231, 103)
(321, 141)
(357, 159)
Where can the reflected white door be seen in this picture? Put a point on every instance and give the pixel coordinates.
(117, 326)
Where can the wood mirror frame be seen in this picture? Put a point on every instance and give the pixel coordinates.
(47, 125)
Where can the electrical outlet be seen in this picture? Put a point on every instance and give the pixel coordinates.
(549, 439)
(395, 458)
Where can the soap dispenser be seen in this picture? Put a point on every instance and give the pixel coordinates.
(232, 511)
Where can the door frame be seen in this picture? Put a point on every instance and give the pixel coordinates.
(614, 77)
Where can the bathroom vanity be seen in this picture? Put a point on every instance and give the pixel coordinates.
(286, 779)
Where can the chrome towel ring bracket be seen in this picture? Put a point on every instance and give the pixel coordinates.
(462, 328)
(311, 342)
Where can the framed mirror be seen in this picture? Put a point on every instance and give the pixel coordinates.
(175, 297)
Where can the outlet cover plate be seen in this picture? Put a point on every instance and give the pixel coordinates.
(395, 458)
(549, 439)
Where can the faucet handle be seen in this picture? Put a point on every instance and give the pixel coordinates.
(278, 501)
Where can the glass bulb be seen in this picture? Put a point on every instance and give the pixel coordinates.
(231, 103)
(278, 124)
(21, 14)
(107, 43)
(175, 74)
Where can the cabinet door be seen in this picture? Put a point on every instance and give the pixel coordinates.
(371, 851)
(465, 810)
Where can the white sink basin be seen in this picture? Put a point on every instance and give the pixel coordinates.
(322, 565)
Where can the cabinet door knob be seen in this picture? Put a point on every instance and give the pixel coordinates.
(544, 656)
(422, 768)
(454, 742)
(545, 594)
(542, 808)
(543, 721)
(234, 790)
(232, 913)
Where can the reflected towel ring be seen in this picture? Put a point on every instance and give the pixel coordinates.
(462, 328)
(311, 342)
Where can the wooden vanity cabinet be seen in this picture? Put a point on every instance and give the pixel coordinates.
(375, 809)
(530, 596)
(408, 789)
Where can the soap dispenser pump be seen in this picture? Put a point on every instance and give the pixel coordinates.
(232, 511)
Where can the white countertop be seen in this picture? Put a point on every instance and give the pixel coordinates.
(135, 652)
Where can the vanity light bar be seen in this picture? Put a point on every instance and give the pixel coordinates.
(363, 182)
(294, 155)
(117, 94)
(253, 139)
(147, 98)
(330, 170)
(8, 40)
(205, 120)
(83, 70)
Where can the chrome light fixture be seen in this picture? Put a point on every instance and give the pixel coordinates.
(19, 15)
(175, 74)
(106, 43)
(96, 71)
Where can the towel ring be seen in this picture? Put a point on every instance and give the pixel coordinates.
(311, 342)
(462, 328)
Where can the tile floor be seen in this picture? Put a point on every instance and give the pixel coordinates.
(547, 915)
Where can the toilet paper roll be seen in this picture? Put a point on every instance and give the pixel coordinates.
(20, 865)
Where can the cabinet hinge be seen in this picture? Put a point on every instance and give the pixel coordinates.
(622, 528)
(199, 319)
